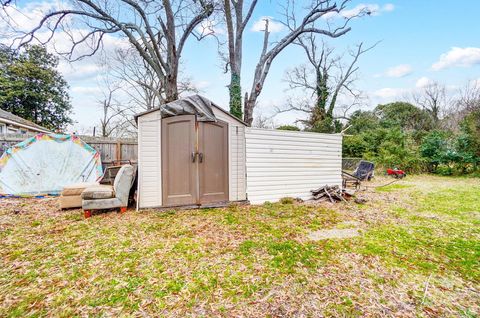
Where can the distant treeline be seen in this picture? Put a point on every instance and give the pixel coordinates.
(418, 140)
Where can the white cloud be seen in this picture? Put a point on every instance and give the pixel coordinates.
(273, 26)
(388, 92)
(79, 71)
(423, 82)
(15, 20)
(401, 70)
(201, 85)
(458, 56)
(371, 8)
(27, 17)
(90, 90)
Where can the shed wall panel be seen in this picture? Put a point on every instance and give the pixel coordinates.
(290, 164)
(236, 166)
(149, 160)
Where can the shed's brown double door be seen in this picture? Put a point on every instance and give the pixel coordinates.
(194, 161)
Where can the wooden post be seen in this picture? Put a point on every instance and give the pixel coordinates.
(118, 153)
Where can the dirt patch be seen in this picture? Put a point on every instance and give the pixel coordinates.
(249, 261)
(333, 234)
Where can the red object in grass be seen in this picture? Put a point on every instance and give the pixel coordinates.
(397, 173)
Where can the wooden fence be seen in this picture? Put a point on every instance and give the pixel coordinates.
(111, 149)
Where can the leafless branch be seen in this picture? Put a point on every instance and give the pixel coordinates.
(318, 9)
(325, 78)
(157, 30)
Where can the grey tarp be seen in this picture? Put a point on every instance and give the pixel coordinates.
(191, 105)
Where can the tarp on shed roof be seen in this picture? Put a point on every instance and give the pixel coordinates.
(45, 164)
(191, 105)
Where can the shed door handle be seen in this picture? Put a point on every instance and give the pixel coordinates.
(194, 155)
(200, 157)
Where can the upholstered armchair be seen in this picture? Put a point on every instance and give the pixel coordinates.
(109, 197)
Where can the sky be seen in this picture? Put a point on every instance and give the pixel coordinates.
(418, 42)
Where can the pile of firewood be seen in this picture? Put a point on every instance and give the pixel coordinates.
(331, 193)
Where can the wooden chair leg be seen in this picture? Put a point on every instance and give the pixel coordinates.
(87, 213)
(123, 209)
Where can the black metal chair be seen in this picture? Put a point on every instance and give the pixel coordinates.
(365, 170)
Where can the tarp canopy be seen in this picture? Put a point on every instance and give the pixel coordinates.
(191, 105)
(44, 164)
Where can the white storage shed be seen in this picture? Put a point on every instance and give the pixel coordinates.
(192, 152)
(186, 159)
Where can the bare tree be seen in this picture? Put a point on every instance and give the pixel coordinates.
(140, 82)
(466, 101)
(317, 10)
(236, 23)
(115, 115)
(262, 121)
(433, 99)
(326, 77)
(158, 30)
(470, 96)
(110, 112)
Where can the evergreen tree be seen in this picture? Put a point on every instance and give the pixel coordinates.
(32, 88)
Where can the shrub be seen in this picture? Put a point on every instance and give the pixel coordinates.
(288, 127)
(287, 200)
(396, 150)
(444, 170)
(434, 149)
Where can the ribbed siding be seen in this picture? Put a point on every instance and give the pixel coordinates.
(149, 160)
(284, 163)
(236, 167)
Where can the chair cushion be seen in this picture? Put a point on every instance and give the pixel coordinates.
(123, 183)
(98, 192)
(71, 201)
(77, 188)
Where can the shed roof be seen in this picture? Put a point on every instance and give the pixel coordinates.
(194, 104)
(21, 121)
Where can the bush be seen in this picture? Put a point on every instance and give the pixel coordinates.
(400, 135)
(388, 148)
(444, 170)
(434, 149)
(287, 200)
(288, 127)
(354, 146)
(398, 150)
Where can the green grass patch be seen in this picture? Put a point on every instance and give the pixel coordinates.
(248, 260)
(392, 187)
(442, 233)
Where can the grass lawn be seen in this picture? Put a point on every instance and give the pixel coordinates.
(417, 255)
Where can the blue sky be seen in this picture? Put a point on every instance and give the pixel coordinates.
(421, 41)
(413, 35)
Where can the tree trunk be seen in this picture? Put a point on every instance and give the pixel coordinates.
(322, 90)
(249, 105)
(171, 89)
(236, 24)
(235, 95)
